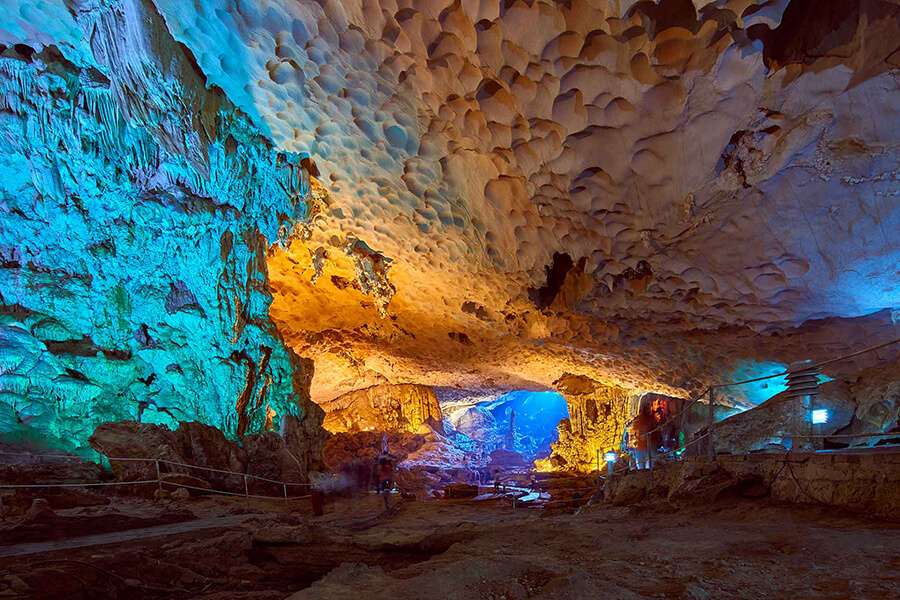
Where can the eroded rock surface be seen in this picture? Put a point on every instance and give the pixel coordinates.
(394, 408)
(287, 458)
(138, 206)
(653, 195)
(598, 417)
(629, 191)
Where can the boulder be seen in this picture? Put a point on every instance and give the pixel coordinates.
(174, 481)
(202, 444)
(630, 488)
(417, 481)
(768, 427)
(268, 456)
(460, 490)
(39, 511)
(343, 448)
(305, 439)
(192, 444)
(23, 467)
(130, 439)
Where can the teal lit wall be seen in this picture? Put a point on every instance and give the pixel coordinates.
(137, 207)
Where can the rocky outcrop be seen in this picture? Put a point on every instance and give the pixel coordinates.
(395, 408)
(772, 425)
(869, 403)
(133, 276)
(876, 393)
(344, 448)
(861, 483)
(266, 454)
(646, 194)
(598, 415)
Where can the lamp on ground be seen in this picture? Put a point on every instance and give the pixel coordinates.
(610, 457)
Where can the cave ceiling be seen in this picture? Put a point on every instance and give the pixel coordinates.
(650, 194)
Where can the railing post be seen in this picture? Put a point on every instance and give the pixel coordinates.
(246, 489)
(158, 477)
(650, 456)
(710, 418)
(284, 486)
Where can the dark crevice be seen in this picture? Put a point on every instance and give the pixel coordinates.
(556, 276)
(809, 30)
(665, 14)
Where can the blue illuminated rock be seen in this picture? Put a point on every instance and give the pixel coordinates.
(137, 209)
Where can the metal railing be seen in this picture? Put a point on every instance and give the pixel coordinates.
(709, 394)
(160, 480)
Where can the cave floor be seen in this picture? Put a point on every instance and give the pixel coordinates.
(457, 550)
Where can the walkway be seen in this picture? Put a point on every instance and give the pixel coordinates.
(115, 537)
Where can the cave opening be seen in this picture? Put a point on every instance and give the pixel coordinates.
(518, 426)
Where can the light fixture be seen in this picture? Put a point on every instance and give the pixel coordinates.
(610, 456)
(819, 416)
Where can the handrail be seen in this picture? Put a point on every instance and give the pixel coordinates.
(844, 435)
(168, 462)
(817, 365)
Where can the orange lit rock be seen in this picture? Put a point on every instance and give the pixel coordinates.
(598, 415)
(403, 408)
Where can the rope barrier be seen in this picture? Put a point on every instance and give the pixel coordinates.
(160, 481)
(210, 469)
(165, 461)
(817, 365)
(843, 435)
(61, 485)
(225, 493)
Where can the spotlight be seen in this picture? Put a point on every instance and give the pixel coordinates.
(819, 416)
(610, 456)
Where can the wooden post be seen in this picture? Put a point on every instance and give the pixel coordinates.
(158, 478)
(246, 489)
(711, 441)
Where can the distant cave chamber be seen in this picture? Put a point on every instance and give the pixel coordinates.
(444, 428)
(522, 422)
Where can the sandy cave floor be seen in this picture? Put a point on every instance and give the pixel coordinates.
(462, 550)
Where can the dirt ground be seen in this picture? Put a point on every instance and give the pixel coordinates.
(451, 549)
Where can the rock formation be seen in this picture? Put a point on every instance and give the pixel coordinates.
(394, 408)
(870, 403)
(138, 206)
(520, 421)
(288, 458)
(598, 416)
(629, 191)
(649, 195)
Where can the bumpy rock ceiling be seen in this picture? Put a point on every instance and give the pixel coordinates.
(684, 174)
(649, 194)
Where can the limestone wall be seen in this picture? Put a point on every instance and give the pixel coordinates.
(137, 207)
(597, 418)
(867, 483)
(396, 408)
